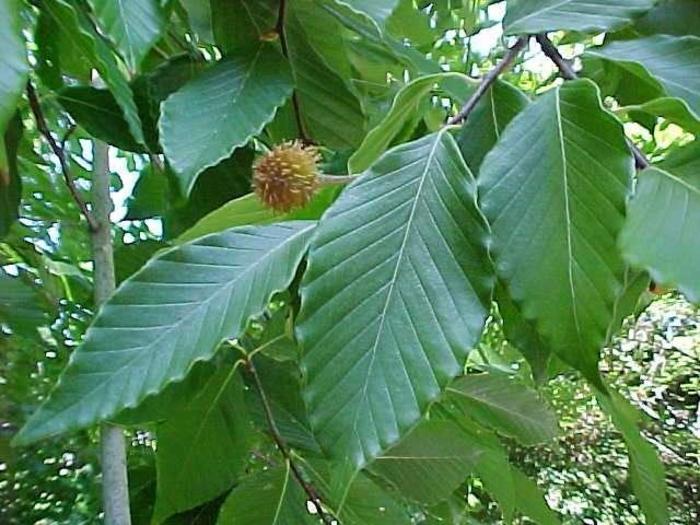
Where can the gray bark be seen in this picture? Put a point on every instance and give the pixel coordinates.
(115, 488)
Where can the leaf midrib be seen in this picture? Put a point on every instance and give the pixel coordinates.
(567, 208)
(172, 327)
(392, 285)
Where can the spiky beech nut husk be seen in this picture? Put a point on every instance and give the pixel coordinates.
(286, 177)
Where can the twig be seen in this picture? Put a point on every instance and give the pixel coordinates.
(487, 81)
(281, 445)
(60, 153)
(567, 72)
(285, 51)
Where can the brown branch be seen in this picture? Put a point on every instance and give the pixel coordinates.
(487, 81)
(285, 51)
(567, 72)
(310, 490)
(60, 153)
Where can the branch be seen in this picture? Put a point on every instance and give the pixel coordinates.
(281, 445)
(567, 72)
(285, 51)
(487, 81)
(115, 485)
(60, 153)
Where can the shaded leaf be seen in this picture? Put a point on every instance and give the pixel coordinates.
(672, 109)
(13, 62)
(271, 497)
(222, 109)
(487, 121)
(670, 17)
(661, 231)
(554, 190)
(407, 239)
(403, 116)
(21, 306)
(378, 11)
(165, 318)
(523, 334)
(203, 445)
(237, 23)
(10, 180)
(133, 25)
(430, 462)
(281, 384)
(669, 62)
(130, 258)
(530, 500)
(98, 113)
(538, 16)
(506, 406)
(646, 470)
(330, 111)
(74, 26)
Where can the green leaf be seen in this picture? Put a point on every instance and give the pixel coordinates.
(281, 384)
(530, 500)
(74, 26)
(165, 318)
(151, 89)
(674, 110)
(506, 406)
(430, 462)
(378, 11)
(660, 234)
(646, 470)
(13, 61)
(249, 210)
(160, 407)
(669, 62)
(404, 115)
(331, 112)
(98, 113)
(522, 334)
(222, 109)
(203, 445)
(538, 16)
(670, 17)
(490, 117)
(20, 305)
(271, 497)
(554, 190)
(130, 258)
(133, 25)
(10, 180)
(407, 239)
(365, 502)
(494, 470)
(237, 23)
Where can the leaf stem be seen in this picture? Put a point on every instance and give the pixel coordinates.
(60, 152)
(310, 490)
(335, 180)
(488, 80)
(567, 72)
